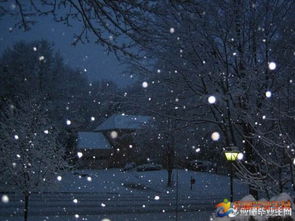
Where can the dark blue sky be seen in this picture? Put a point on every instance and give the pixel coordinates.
(90, 56)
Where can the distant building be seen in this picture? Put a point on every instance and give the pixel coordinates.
(96, 150)
(124, 122)
(119, 130)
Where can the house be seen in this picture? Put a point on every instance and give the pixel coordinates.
(119, 130)
(96, 150)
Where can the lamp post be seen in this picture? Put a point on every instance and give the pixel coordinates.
(232, 154)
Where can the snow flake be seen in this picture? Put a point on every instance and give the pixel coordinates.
(76, 216)
(263, 117)
(145, 84)
(211, 99)
(34, 48)
(158, 71)
(240, 156)
(105, 219)
(156, 198)
(268, 94)
(198, 150)
(143, 206)
(59, 178)
(89, 178)
(16, 137)
(114, 134)
(68, 122)
(46, 131)
(5, 199)
(75, 201)
(272, 66)
(103, 205)
(215, 136)
(13, 6)
(172, 30)
(92, 118)
(41, 58)
(80, 154)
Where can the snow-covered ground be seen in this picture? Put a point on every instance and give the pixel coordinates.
(116, 195)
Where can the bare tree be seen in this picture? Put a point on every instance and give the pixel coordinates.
(31, 155)
(112, 23)
(234, 51)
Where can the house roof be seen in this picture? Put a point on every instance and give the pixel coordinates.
(92, 140)
(118, 121)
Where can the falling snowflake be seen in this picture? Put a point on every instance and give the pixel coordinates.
(89, 179)
(92, 118)
(5, 199)
(68, 122)
(80, 154)
(76, 216)
(268, 94)
(75, 201)
(16, 137)
(145, 84)
(46, 131)
(59, 178)
(272, 66)
(35, 48)
(215, 136)
(103, 205)
(114, 134)
(156, 198)
(172, 30)
(240, 156)
(41, 58)
(211, 99)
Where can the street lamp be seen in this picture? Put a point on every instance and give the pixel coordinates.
(232, 154)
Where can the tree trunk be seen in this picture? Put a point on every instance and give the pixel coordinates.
(249, 157)
(169, 181)
(26, 208)
(292, 176)
(280, 180)
(169, 169)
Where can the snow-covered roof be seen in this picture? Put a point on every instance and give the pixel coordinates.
(92, 140)
(118, 121)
